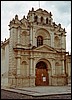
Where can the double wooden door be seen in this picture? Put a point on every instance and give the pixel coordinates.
(41, 77)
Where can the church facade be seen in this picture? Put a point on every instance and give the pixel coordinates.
(35, 54)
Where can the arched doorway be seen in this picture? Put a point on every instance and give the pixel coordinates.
(42, 78)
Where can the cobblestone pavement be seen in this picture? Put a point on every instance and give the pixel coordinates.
(12, 95)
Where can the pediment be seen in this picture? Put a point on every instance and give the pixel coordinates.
(45, 48)
(39, 10)
(42, 11)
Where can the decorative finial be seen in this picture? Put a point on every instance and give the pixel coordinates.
(32, 9)
(13, 21)
(16, 17)
(23, 16)
(59, 25)
(64, 29)
(5, 39)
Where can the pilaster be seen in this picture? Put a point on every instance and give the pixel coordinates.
(18, 63)
(31, 35)
(52, 39)
(19, 31)
(53, 67)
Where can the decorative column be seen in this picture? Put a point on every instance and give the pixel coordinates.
(19, 31)
(34, 38)
(53, 67)
(62, 41)
(52, 39)
(31, 65)
(44, 20)
(18, 63)
(18, 56)
(39, 20)
(63, 69)
(35, 42)
(32, 76)
(34, 65)
(31, 30)
(27, 69)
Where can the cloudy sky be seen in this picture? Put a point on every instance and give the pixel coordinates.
(61, 11)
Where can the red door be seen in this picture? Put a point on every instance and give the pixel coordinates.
(41, 76)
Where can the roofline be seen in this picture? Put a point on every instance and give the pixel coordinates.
(4, 42)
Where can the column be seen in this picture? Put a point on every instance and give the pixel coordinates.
(19, 30)
(27, 69)
(44, 20)
(62, 41)
(34, 38)
(18, 63)
(53, 67)
(34, 65)
(31, 35)
(35, 42)
(31, 65)
(52, 39)
(69, 69)
(62, 65)
(63, 69)
(39, 20)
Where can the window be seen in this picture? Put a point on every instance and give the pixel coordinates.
(41, 19)
(36, 18)
(39, 41)
(49, 22)
(46, 20)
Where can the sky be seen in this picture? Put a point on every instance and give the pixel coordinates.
(61, 11)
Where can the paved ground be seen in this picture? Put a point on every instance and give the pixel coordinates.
(12, 95)
(40, 92)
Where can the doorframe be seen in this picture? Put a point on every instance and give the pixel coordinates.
(48, 68)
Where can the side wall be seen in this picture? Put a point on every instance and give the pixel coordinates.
(68, 68)
(4, 65)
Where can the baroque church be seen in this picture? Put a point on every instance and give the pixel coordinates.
(35, 54)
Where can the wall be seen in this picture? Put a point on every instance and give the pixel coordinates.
(68, 68)
(4, 65)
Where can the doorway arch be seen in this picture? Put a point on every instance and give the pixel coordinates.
(42, 77)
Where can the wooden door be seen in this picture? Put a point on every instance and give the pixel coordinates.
(41, 77)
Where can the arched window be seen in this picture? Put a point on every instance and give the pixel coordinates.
(41, 19)
(46, 20)
(39, 41)
(49, 22)
(35, 18)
